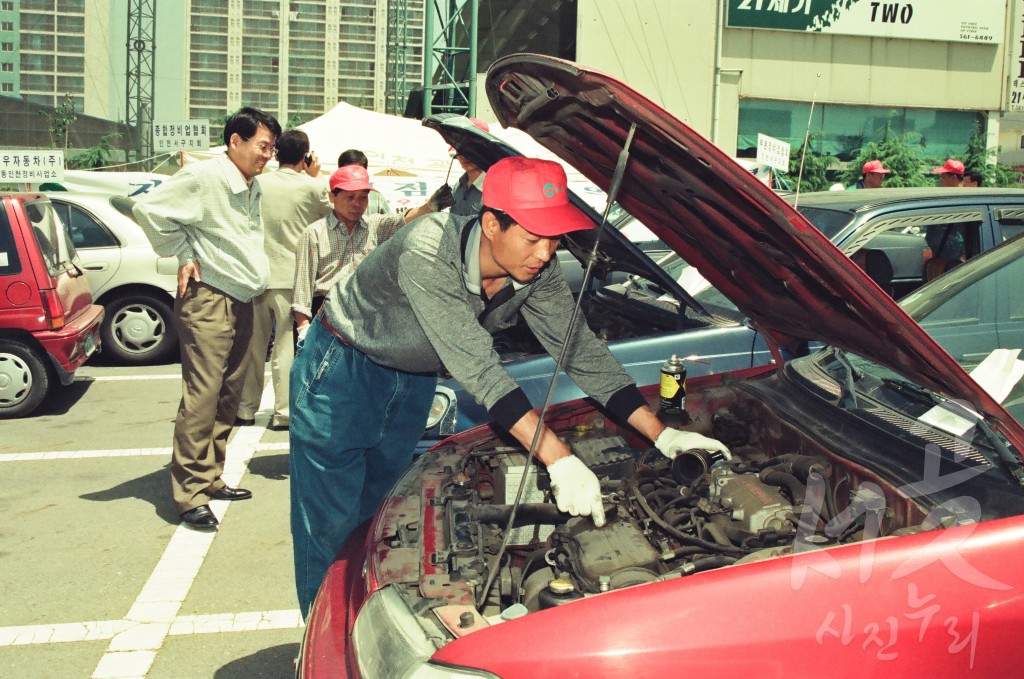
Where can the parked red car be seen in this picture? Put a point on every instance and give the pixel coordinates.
(49, 325)
(867, 524)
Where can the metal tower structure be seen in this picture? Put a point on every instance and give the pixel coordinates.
(141, 52)
(397, 57)
(449, 74)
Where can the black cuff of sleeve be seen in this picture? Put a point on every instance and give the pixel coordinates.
(624, 402)
(510, 408)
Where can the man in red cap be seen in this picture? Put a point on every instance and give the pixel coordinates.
(951, 173)
(332, 247)
(430, 298)
(872, 174)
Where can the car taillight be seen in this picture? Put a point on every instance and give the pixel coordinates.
(926, 254)
(54, 310)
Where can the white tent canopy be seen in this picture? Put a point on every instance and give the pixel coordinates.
(407, 160)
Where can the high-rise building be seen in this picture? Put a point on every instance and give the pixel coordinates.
(297, 59)
(49, 53)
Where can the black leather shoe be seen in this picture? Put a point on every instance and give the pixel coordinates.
(277, 426)
(243, 422)
(229, 493)
(200, 518)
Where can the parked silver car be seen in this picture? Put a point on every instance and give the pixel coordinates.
(135, 286)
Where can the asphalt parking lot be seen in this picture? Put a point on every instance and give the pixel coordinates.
(98, 579)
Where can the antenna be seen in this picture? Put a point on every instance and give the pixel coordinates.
(807, 135)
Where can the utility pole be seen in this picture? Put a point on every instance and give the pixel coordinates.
(451, 57)
(141, 52)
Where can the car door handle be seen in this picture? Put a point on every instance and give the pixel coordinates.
(96, 267)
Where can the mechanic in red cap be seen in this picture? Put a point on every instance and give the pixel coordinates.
(330, 248)
(429, 299)
(951, 173)
(872, 174)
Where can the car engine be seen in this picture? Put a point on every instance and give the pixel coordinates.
(665, 518)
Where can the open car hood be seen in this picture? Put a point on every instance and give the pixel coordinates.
(614, 253)
(778, 269)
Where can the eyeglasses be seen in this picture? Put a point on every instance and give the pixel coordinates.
(264, 148)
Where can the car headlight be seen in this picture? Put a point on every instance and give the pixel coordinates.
(389, 643)
(442, 411)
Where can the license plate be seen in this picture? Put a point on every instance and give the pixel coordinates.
(90, 344)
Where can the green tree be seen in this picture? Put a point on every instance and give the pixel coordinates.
(97, 156)
(899, 152)
(814, 177)
(60, 121)
(981, 158)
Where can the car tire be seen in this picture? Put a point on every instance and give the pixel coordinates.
(24, 379)
(138, 329)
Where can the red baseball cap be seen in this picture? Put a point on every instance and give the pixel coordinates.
(874, 166)
(951, 167)
(350, 178)
(533, 192)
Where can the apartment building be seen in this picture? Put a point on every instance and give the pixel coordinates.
(297, 59)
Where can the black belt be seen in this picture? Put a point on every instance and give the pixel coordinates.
(331, 329)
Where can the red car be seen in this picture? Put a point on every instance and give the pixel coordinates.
(49, 325)
(866, 524)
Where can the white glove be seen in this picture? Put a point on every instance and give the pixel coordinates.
(577, 490)
(301, 331)
(671, 442)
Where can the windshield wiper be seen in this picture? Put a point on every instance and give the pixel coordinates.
(1010, 462)
(848, 395)
(915, 391)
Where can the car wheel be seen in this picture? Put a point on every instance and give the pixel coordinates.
(24, 379)
(138, 329)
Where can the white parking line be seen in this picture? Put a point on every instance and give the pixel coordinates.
(153, 616)
(132, 651)
(99, 630)
(117, 452)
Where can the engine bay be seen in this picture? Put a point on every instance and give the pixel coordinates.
(779, 492)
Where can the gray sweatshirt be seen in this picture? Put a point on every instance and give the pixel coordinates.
(413, 305)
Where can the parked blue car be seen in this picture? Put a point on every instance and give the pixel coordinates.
(901, 237)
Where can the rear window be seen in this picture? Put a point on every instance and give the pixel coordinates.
(54, 242)
(829, 222)
(9, 262)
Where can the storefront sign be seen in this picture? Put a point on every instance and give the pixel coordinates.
(946, 20)
(1015, 96)
(31, 167)
(190, 135)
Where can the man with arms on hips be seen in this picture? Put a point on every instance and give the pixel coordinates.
(208, 216)
(363, 379)
(331, 248)
(294, 196)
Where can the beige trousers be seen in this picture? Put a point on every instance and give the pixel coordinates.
(272, 308)
(214, 330)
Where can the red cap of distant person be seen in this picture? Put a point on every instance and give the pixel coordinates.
(534, 193)
(478, 124)
(951, 167)
(350, 178)
(874, 166)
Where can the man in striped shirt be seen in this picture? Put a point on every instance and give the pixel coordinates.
(332, 247)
